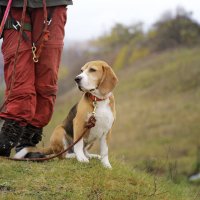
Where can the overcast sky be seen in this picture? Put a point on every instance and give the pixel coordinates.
(90, 18)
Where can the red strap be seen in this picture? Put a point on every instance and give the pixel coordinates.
(5, 17)
(46, 33)
(94, 98)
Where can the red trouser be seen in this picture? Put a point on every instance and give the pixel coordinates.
(33, 94)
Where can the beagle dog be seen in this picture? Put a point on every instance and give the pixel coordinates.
(97, 81)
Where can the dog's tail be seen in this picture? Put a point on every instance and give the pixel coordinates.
(29, 150)
(46, 151)
(58, 142)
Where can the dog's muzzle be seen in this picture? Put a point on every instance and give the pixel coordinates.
(78, 79)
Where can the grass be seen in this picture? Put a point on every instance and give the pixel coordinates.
(70, 180)
(153, 146)
(161, 114)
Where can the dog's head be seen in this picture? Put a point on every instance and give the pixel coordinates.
(96, 77)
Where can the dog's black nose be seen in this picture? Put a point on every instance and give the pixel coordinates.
(78, 79)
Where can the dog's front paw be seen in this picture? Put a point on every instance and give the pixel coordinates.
(106, 163)
(82, 158)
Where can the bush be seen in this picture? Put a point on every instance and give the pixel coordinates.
(180, 30)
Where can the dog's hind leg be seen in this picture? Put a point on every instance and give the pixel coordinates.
(89, 155)
(70, 155)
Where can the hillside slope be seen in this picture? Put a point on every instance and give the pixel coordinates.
(158, 102)
(153, 145)
(69, 180)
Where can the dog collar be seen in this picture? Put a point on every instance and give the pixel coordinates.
(94, 98)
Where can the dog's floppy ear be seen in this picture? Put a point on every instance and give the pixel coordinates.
(108, 81)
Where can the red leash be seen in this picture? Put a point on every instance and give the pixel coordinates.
(45, 36)
(5, 17)
(90, 124)
(91, 121)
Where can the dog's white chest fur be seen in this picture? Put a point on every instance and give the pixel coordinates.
(104, 121)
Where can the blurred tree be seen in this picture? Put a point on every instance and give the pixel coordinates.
(124, 45)
(119, 35)
(170, 32)
(116, 46)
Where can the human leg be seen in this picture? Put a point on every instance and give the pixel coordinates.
(20, 90)
(46, 72)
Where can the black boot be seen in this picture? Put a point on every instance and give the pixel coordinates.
(10, 134)
(31, 136)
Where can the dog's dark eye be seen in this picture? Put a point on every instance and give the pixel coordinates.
(92, 70)
(81, 70)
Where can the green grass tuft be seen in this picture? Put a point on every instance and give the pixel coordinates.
(68, 179)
